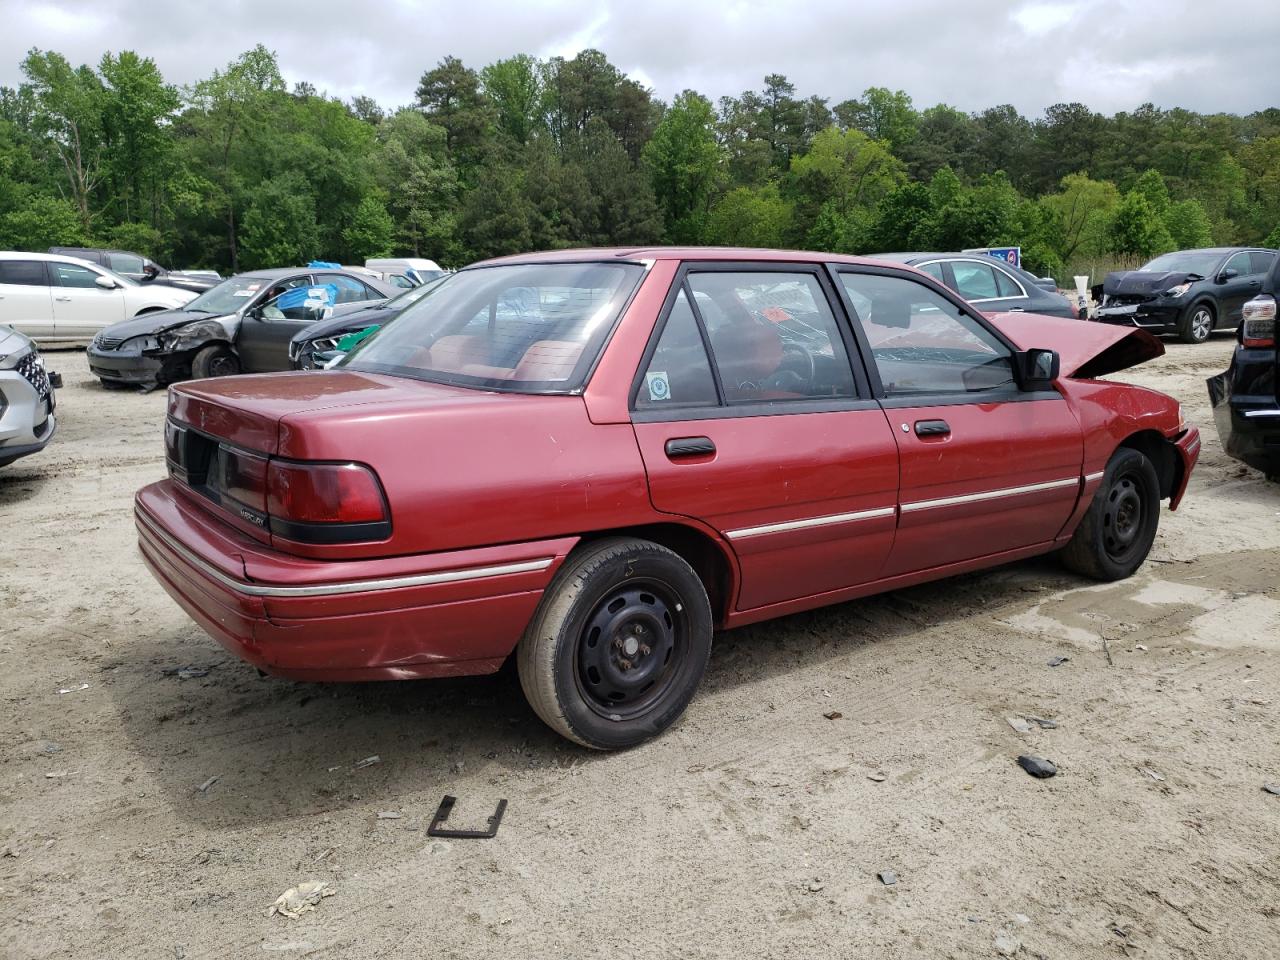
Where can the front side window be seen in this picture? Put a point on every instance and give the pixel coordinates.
(923, 343)
(773, 336)
(72, 275)
(1240, 264)
(23, 273)
(679, 373)
(302, 302)
(534, 327)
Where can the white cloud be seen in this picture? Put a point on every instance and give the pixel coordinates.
(1111, 54)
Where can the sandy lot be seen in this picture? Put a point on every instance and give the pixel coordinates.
(754, 829)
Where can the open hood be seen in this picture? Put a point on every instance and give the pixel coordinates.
(1087, 349)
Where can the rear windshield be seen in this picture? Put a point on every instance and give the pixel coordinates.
(533, 328)
(1201, 263)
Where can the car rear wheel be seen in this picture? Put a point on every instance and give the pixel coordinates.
(619, 644)
(1196, 324)
(1116, 533)
(215, 360)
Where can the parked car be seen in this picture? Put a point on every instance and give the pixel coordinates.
(27, 400)
(405, 271)
(242, 324)
(992, 285)
(142, 269)
(595, 458)
(1246, 398)
(1190, 292)
(64, 301)
(317, 345)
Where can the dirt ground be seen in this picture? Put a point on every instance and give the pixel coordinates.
(756, 828)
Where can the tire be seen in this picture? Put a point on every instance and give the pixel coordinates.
(1116, 533)
(584, 664)
(215, 360)
(1197, 323)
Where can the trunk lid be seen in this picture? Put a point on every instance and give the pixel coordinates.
(1086, 349)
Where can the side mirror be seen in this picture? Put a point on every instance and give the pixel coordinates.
(1036, 369)
(106, 283)
(1229, 274)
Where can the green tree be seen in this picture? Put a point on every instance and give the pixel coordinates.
(137, 106)
(1136, 228)
(66, 106)
(449, 95)
(1083, 208)
(42, 222)
(421, 184)
(371, 232)
(684, 163)
(881, 114)
(280, 225)
(842, 178)
(1188, 225)
(514, 87)
(750, 217)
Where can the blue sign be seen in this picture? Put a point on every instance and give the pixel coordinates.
(1010, 255)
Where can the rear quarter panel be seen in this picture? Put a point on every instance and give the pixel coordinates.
(528, 468)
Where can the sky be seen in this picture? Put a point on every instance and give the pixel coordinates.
(1110, 54)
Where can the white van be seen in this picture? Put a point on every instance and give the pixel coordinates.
(405, 271)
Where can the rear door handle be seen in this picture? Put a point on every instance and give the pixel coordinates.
(932, 428)
(680, 447)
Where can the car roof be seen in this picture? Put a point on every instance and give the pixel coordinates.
(51, 257)
(598, 254)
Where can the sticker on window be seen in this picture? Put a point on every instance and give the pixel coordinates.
(659, 387)
(242, 293)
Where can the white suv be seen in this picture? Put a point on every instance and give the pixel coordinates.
(61, 300)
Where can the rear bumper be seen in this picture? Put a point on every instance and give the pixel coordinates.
(1248, 424)
(432, 615)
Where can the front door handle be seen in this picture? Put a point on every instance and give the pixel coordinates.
(63, 299)
(681, 447)
(932, 428)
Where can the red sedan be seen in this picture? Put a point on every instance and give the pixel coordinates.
(597, 458)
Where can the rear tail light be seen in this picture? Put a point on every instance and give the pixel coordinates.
(326, 502)
(1258, 328)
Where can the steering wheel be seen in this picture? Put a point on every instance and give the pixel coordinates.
(808, 369)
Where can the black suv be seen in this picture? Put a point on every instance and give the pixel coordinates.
(1246, 399)
(1190, 292)
(142, 269)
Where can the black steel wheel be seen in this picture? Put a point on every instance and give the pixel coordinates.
(1116, 533)
(618, 645)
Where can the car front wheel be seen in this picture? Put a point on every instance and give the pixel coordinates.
(619, 644)
(215, 360)
(1119, 527)
(1197, 324)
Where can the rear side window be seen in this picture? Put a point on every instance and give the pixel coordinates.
(773, 336)
(23, 273)
(1261, 261)
(975, 281)
(679, 373)
(1006, 286)
(73, 275)
(350, 290)
(124, 263)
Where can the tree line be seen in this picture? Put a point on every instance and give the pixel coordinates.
(237, 171)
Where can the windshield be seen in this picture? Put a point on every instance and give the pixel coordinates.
(228, 296)
(1190, 262)
(524, 327)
